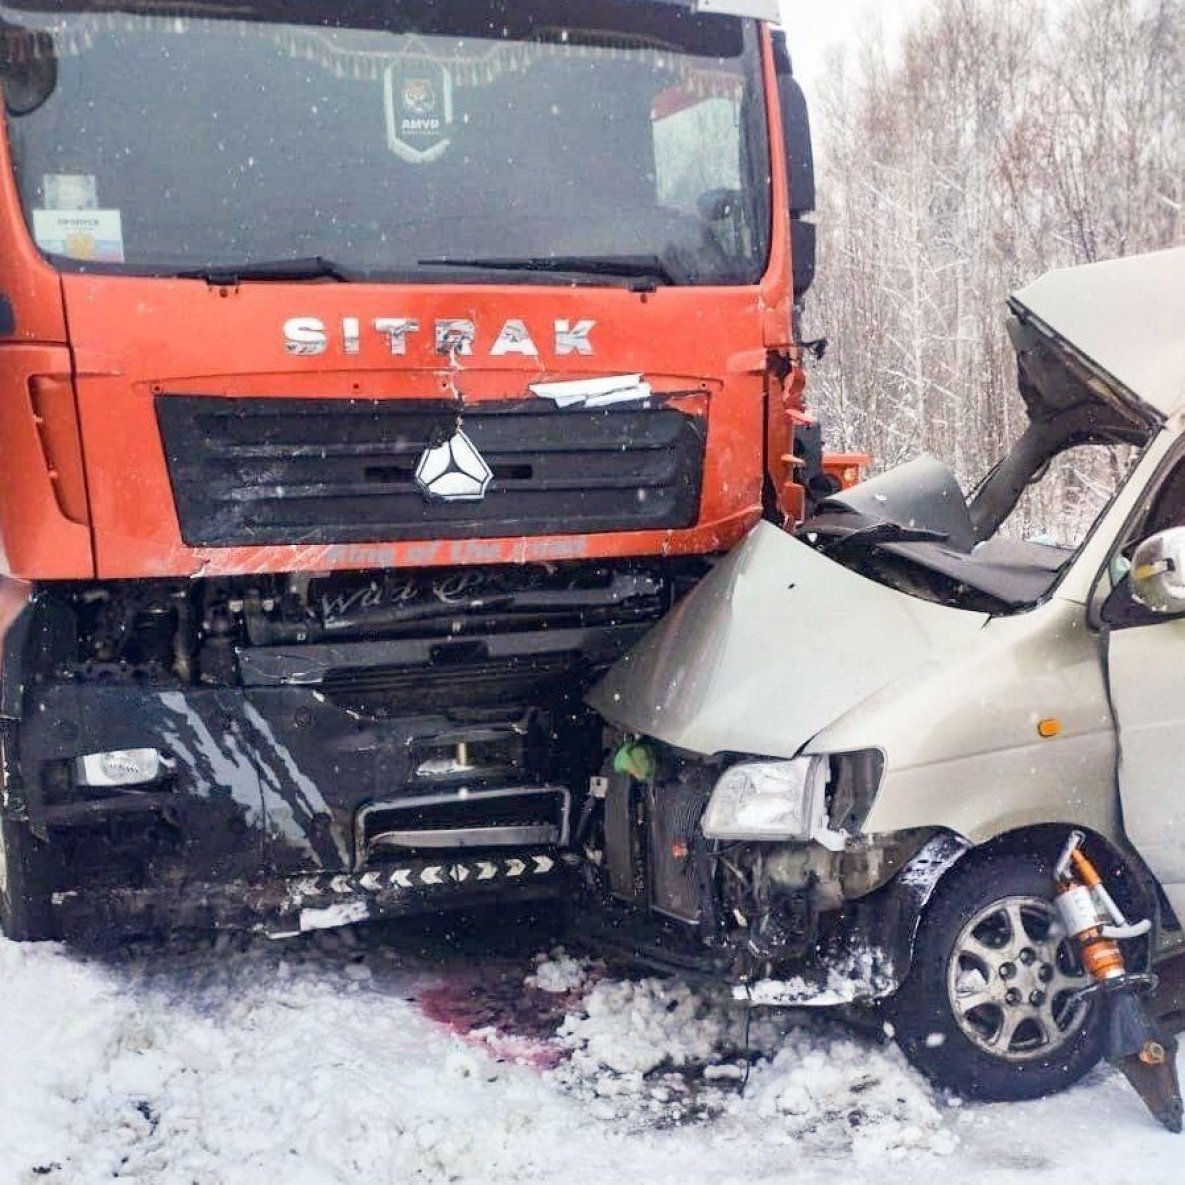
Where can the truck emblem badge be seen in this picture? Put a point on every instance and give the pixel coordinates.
(454, 471)
(419, 97)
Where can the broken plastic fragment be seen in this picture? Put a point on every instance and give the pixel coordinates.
(636, 760)
(592, 393)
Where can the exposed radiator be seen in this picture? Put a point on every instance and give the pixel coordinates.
(674, 810)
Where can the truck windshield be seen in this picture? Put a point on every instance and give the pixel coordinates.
(413, 141)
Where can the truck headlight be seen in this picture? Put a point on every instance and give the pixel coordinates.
(120, 767)
(772, 800)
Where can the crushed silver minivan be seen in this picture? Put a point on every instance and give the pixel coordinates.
(844, 767)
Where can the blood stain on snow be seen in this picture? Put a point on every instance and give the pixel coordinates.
(491, 1009)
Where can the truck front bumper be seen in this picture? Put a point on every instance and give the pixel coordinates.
(283, 907)
(274, 811)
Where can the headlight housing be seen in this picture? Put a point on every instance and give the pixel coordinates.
(772, 800)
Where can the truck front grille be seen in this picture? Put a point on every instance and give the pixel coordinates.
(257, 471)
(517, 817)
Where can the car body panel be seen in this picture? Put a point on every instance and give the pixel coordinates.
(952, 698)
(962, 745)
(1123, 318)
(1146, 665)
(726, 673)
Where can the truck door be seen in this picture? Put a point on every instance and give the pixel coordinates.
(1146, 663)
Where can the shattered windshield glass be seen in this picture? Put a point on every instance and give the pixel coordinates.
(395, 142)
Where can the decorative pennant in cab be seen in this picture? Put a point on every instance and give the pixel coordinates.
(418, 97)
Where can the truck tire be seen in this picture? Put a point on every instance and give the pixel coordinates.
(987, 1009)
(26, 914)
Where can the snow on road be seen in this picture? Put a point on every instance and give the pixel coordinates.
(359, 1058)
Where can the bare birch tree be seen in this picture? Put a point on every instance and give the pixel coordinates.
(1000, 139)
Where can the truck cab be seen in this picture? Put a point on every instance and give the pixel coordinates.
(371, 378)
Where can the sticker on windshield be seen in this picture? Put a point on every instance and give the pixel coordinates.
(92, 236)
(418, 98)
(71, 191)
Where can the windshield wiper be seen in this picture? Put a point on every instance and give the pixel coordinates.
(882, 533)
(315, 267)
(626, 267)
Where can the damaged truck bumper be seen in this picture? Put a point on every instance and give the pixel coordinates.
(292, 754)
(270, 809)
(283, 907)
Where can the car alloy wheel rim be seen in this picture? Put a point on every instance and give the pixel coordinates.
(1013, 981)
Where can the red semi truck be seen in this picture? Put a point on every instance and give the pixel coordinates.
(371, 376)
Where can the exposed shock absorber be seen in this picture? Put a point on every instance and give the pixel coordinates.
(1135, 1044)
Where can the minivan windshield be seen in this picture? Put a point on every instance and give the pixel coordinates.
(913, 528)
(483, 142)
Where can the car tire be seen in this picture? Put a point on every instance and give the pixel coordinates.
(26, 913)
(989, 1012)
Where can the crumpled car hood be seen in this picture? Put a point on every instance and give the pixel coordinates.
(777, 643)
(1121, 321)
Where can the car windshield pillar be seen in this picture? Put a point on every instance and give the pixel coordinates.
(1001, 491)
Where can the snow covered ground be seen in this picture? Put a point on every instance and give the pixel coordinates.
(370, 1057)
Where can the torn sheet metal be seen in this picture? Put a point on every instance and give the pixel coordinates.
(594, 393)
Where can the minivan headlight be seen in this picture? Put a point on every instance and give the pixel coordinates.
(772, 800)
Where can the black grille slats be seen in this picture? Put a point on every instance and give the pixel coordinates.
(495, 683)
(278, 471)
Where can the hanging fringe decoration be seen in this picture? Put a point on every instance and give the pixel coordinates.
(350, 52)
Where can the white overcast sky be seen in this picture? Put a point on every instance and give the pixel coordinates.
(814, 25)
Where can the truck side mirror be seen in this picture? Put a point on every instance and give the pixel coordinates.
(796, 131)
(28, 67)
(1158, 572)
(800, 164)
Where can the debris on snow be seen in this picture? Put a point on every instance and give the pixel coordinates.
(662, 1053)
(338, 1058)
(558, 973)
(861, 976)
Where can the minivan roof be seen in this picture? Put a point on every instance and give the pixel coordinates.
(1123, 318)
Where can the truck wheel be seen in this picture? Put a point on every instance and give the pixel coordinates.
(25, 911)
(988, 1008)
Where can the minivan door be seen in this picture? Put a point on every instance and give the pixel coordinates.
(1146, 662)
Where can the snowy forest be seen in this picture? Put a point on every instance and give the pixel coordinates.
(996, 140)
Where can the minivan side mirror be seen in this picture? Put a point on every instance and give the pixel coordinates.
(1158, 572)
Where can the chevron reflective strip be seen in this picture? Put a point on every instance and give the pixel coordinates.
(435, 875)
